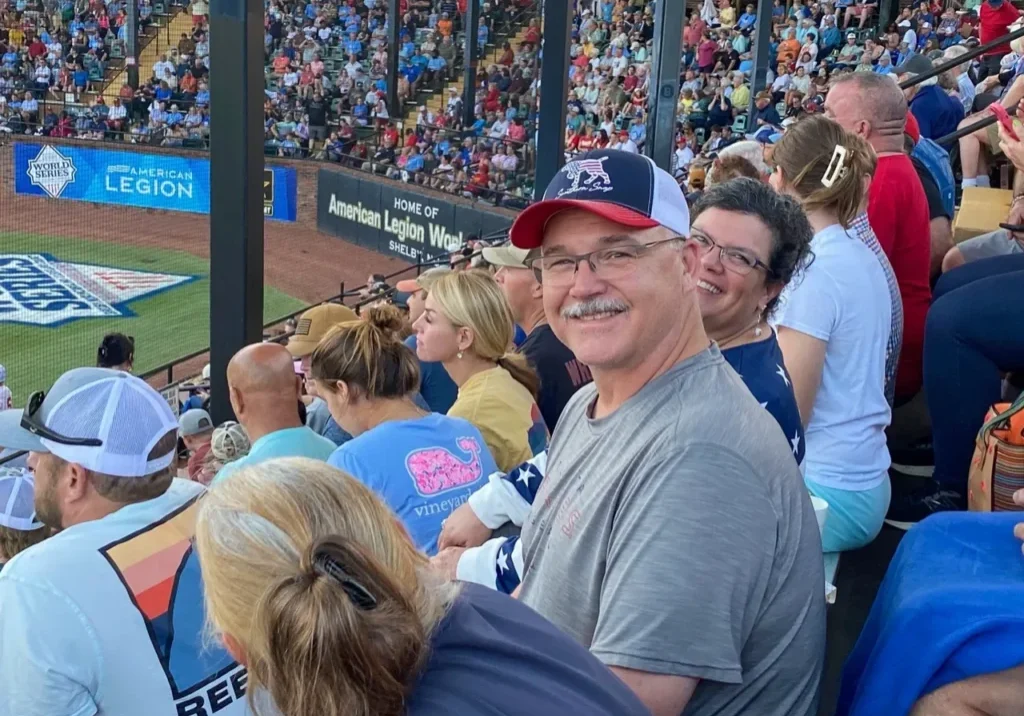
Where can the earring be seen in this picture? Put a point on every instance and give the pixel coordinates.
(459, 355)
(757, 326)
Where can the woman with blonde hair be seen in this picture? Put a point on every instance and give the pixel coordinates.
(313, 585)
(833, 327)
(467, 325)
(422, 464)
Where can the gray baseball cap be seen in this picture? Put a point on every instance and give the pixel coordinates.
(193, 422)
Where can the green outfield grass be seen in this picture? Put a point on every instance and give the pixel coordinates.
(165, 326)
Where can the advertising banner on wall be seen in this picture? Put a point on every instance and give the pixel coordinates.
(148, 181)
(395, 221)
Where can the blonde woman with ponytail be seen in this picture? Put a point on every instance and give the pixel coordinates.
(313, 585)
(467, 325)
(422, 464)
(833, 326)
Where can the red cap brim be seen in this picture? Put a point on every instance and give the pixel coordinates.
(528, 229)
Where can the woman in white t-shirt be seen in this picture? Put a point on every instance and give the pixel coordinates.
(833, 326)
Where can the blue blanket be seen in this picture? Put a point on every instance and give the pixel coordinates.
(951, 607)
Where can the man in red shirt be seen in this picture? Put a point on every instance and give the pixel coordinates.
(873, 107)
(996, 16)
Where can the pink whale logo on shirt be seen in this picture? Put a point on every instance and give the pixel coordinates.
(436, 470)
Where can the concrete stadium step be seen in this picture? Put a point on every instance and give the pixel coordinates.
(438, 100)
(162, 43)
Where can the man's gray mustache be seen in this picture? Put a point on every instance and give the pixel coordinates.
(593, 307)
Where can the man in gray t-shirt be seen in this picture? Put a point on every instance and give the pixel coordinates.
(676, 536)
(672, 534)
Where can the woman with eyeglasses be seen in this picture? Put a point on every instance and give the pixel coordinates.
(753, 242)
(313, 585)
(467, 325)
(834, 326)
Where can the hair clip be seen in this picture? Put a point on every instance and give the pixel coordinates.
(836, 169)
(327, 566)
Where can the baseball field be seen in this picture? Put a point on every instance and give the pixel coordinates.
(170, 317)
(73, 270)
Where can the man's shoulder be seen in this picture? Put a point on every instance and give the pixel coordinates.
(56, 562)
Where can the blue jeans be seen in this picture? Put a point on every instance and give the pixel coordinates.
(973, 334)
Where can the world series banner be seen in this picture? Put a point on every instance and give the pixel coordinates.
(138, 179)
(382, 216)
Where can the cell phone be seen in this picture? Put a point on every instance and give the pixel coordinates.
(1014, 228)
(1004, 119)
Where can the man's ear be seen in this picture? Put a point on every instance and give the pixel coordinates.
(76, 480)
(237, 402)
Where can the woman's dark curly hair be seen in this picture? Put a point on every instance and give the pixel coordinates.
(791, 231)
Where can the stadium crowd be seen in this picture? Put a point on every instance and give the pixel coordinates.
(652, 417)
(326, 88)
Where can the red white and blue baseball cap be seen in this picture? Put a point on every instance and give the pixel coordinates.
(626, 188)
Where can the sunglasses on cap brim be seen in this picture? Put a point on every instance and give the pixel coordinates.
(33, 425)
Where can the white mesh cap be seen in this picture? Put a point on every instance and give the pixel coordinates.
(123, 412)
(17, 500)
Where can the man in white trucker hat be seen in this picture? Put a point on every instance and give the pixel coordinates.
(106, 617)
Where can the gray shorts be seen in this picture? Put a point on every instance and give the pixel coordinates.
(986, 246)
(318, 133)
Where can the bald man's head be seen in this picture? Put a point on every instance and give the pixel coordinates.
(262, 380)
(262, 367)
(869, 105)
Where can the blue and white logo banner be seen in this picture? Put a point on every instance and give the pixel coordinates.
(148, 181)
(39, 290)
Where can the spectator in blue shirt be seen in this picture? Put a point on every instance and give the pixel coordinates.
(419, 60)
(412, 73)
(360, 111)
(436, 69)
(748, 19)
(415, 161)
(174, 117)
(482, 34)
(936, 112)
(638, 131)
(353, 46)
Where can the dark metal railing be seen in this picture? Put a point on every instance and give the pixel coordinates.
(966, 57)
(168, 368)
(956, 62)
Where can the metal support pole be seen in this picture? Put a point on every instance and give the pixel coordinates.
(236, 188)
(762, 55)
(887, 12)
(470, 61)
(661, 120)
(394, 24)
(131, 50)
(554, 91)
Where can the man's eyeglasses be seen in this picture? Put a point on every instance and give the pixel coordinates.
(30, 422)
(738, 261)
(607, 264)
